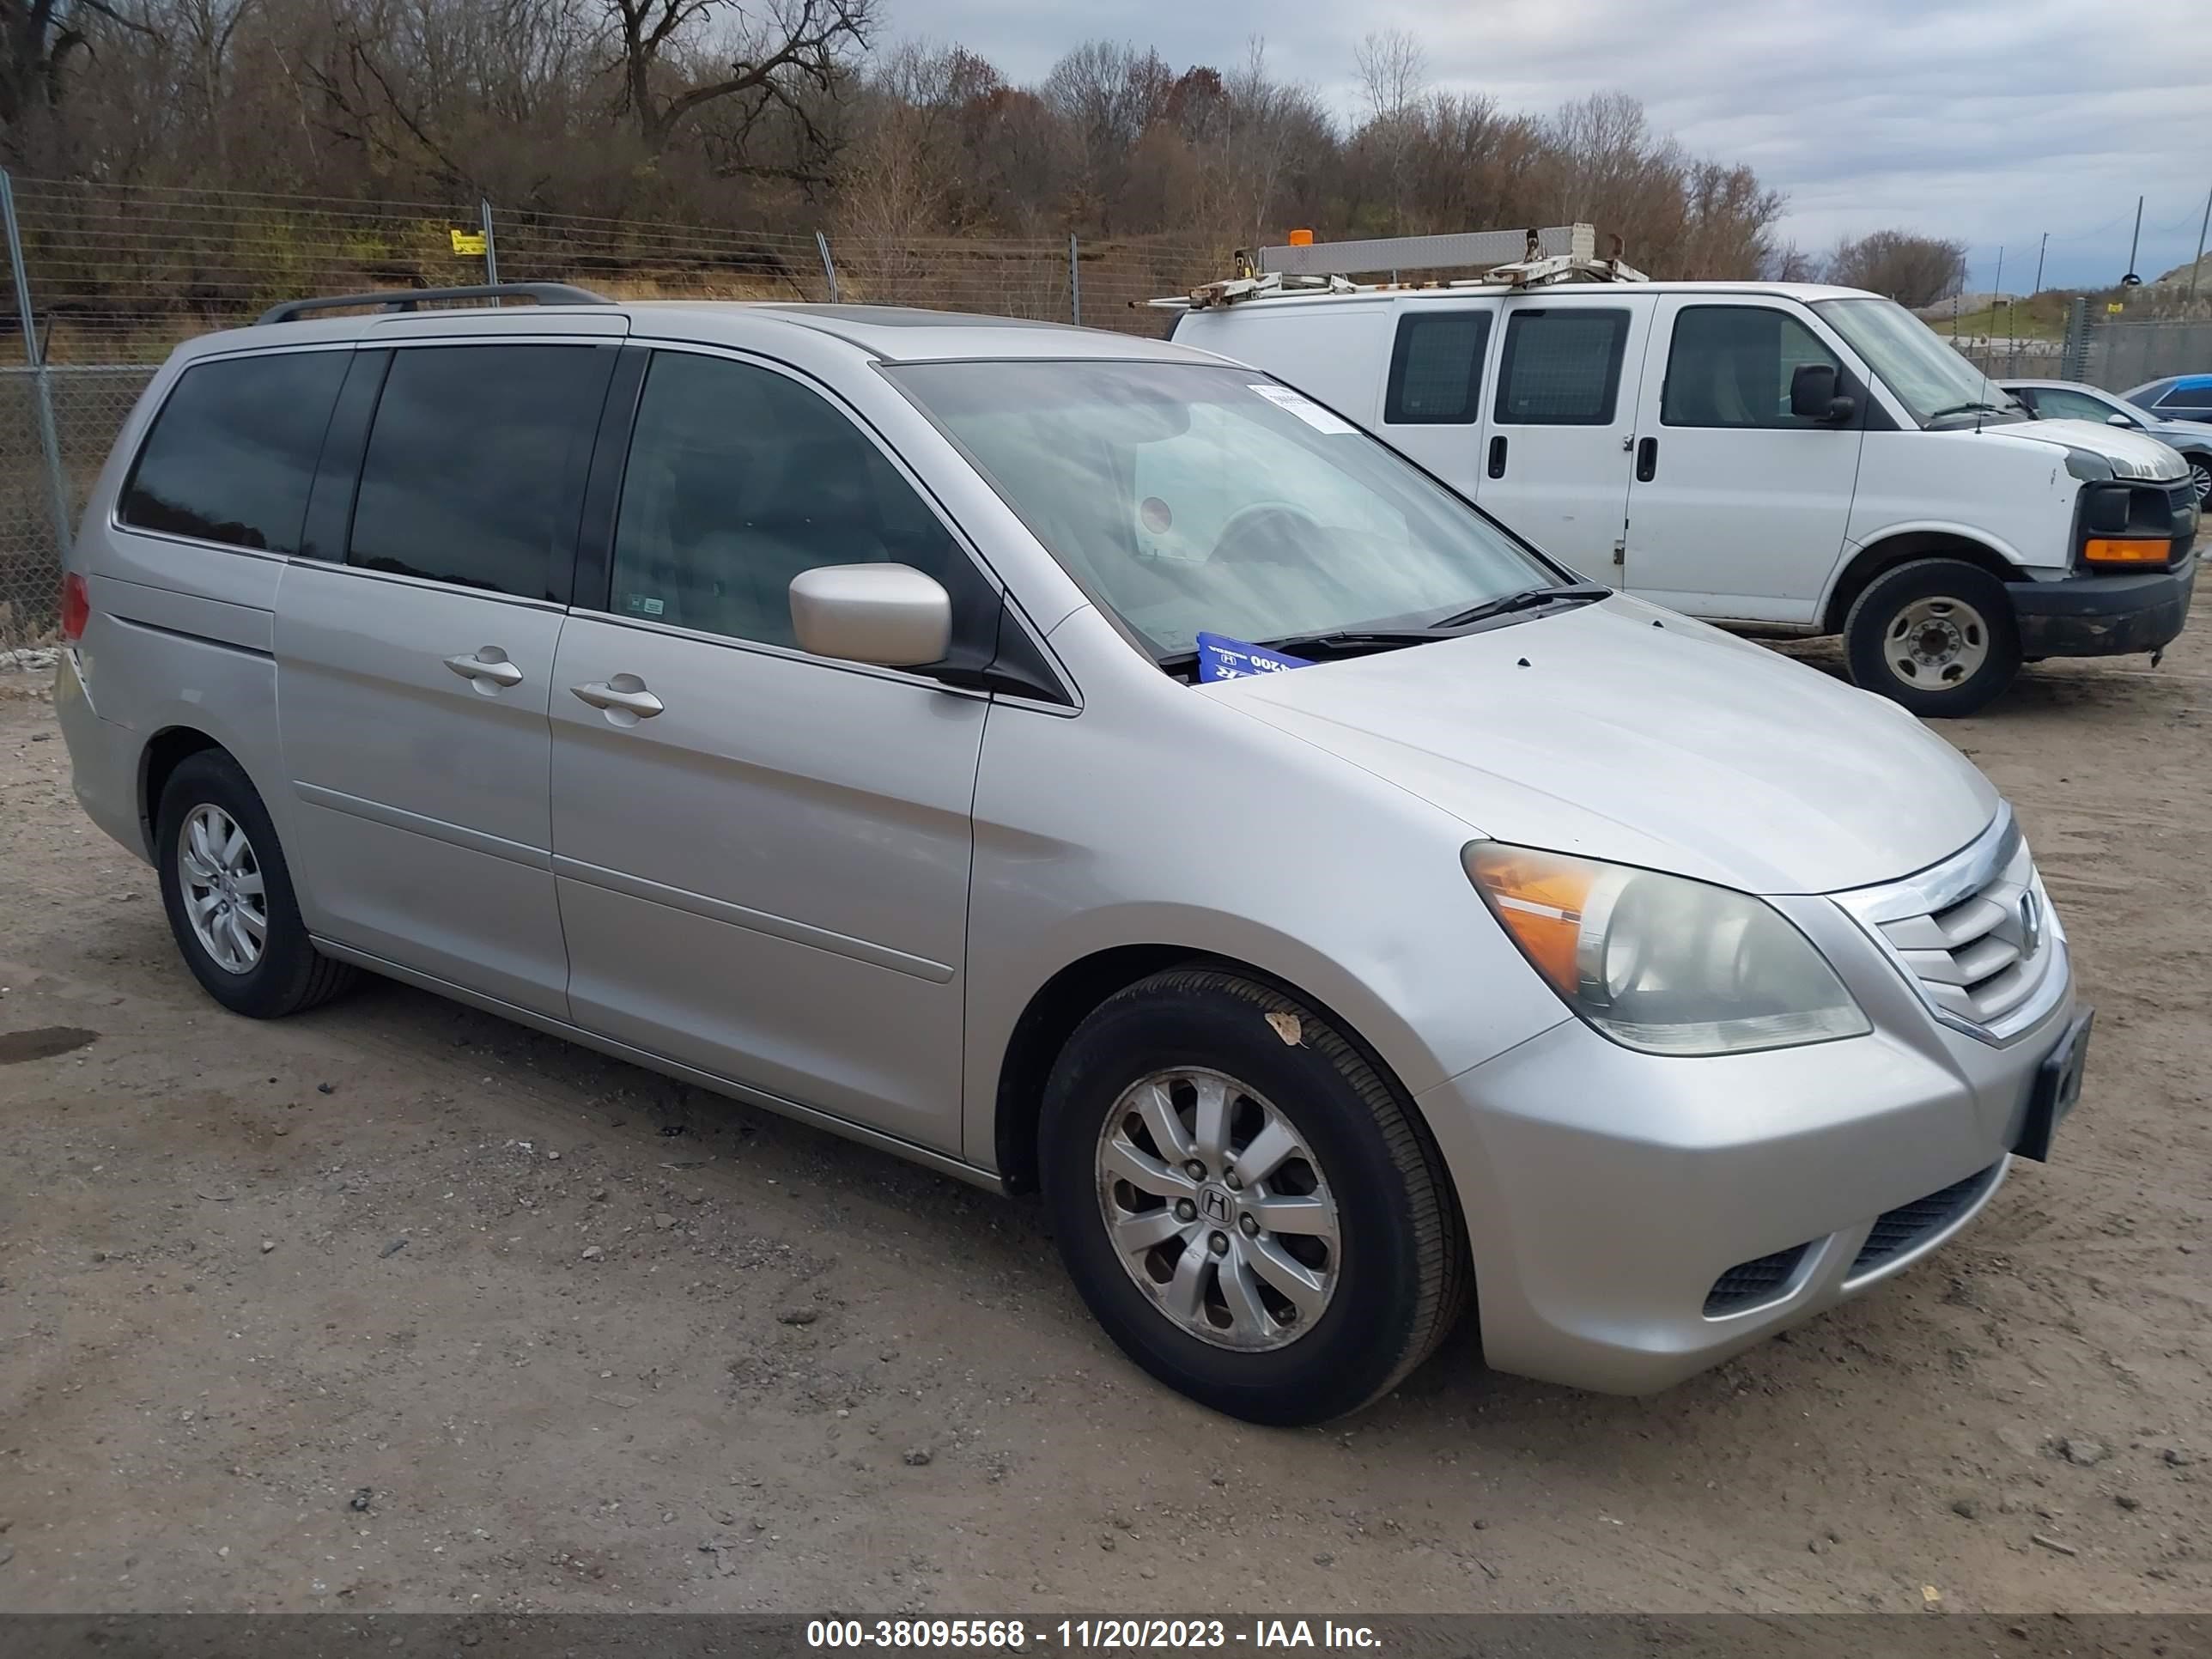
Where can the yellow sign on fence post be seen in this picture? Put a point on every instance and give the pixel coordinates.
(2112, 308)
(469, 242)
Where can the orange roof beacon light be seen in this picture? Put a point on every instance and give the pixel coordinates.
(1301, 238)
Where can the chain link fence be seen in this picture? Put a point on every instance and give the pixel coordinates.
(104, 282)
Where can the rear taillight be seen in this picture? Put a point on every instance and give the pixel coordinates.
(76, 607)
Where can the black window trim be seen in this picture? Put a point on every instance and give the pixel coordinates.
(144, 436)
(1847, 382)
(602, 492)
(1623, 315)
(1394, 388)
(561, 574)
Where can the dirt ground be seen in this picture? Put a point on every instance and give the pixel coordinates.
(307, 1315)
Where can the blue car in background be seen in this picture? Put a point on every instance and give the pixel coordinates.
(2176, 398)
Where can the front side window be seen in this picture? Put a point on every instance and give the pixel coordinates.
(1435, 368)
(475, 469)
(232, 453)
(1933, 382)
(1561, 368)
(1731, 366)
(740, 478)
(1185, 497)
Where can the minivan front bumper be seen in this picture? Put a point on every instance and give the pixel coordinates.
(1635, 1219)
(2103, 615)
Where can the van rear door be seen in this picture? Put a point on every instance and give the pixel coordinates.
(1555, 437)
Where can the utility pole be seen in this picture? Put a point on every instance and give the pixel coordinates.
(2041, 248)
(2203, 225)
(2135, 242)
(1996, 298)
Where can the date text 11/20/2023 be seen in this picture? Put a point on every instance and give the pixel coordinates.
(1087, 1634)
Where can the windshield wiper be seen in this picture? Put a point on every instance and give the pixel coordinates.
(1970, 409)
(1527, 599)
(1354, 639)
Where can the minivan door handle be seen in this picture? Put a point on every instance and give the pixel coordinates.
(624, 693)
(1498, 456)
(488, 665)
(1647, 460)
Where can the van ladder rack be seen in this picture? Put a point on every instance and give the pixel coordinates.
(1561, 254)
(408, 299)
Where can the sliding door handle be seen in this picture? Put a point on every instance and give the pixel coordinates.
(489, 666)
(1647, 460)
(1498, 456)
(625, 692)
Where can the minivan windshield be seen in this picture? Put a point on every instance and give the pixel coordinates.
(1187, 497)
(1933, 382)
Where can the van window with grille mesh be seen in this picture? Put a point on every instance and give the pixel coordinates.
(233, 450)
(1562, 367)
(1435, 368)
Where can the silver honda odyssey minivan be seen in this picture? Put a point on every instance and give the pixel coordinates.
(1078, 763)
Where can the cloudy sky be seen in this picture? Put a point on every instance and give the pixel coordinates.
(1991, 121)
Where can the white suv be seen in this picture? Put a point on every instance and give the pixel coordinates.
(1779, 457)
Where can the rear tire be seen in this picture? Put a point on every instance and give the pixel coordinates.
(228, 895)
(1289, 1250)
(1936, 635)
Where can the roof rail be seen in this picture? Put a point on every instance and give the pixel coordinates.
(407, 299)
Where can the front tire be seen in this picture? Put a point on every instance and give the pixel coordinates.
(1937, 636)
(1245, 1204)
(228, 895)
(2200, 476)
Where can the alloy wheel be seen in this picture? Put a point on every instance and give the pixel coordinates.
(225, 900)
(1219, 1209)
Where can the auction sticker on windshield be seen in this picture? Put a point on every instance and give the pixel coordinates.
(1305, 408)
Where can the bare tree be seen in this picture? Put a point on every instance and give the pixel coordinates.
(1393, 73)
(1911, 270)
(39, 40)
(774, 55)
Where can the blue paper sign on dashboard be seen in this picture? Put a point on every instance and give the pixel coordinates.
(1224, 658)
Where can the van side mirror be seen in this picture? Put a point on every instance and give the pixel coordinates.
(1813, 395)
(891, 615)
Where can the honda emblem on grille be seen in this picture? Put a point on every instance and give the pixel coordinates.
(2031, 923)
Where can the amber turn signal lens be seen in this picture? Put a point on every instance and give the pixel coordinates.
(2108, 549)
(1540, 898)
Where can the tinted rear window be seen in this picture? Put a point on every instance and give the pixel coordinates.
(233, 452)
(1436, 369)
(475, 469)
(1562, 367)
(2188, 396)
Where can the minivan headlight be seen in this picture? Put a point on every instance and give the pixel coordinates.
(1661, 963)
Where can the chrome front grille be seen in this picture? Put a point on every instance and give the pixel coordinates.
(1975, 934)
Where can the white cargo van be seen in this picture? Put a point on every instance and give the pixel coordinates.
(1779, 457)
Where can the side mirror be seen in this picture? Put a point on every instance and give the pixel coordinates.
(2117, 419)
(888, 614)
(1813, 395)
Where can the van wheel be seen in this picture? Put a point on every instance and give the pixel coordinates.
(1936, 635)
(228, 894)
(1246, 1206)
